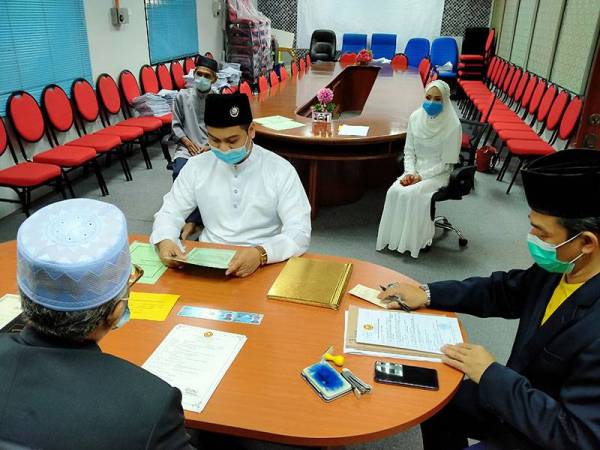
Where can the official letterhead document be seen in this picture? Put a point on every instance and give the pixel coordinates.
(419, 332)
(194, 360)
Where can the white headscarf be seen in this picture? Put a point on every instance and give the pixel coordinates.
(441, 129)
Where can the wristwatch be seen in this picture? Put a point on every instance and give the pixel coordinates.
(425, 288)
(263, 254)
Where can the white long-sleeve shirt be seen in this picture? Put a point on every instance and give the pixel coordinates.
(258, 202)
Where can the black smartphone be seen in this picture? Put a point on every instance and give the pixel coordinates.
(393, 373)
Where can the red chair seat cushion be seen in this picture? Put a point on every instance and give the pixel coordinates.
(528, 135)
(125, 133)
(99, 142)
(66, 156)
(518, 126)
(146, 123)
(471, 58)
(166, 119)
(521, 147)
(28, 174)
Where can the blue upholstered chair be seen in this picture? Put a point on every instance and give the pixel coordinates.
(444, 49)
(353, 43)
(416, 49)
(383, 45)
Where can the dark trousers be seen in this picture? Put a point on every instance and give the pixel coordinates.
(462, 417)
(177, 166)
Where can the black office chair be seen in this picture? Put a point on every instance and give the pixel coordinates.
(462, 181)
(323, 46)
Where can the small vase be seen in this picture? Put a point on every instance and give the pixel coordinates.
(321, 116)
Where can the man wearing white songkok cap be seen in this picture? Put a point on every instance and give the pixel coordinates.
(432, 148)
(59, 391)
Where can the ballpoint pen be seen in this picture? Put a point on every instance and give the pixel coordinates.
(403, 305)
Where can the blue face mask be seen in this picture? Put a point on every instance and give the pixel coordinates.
(544, 255)
(202, 84)
(233, 156)
(433, 108)
(124, 318)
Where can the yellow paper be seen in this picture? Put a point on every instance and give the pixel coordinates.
(145, 306)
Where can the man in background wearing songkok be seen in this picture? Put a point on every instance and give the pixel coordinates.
(247, 195)
(548, 394)
(58, 390)
(188, 127)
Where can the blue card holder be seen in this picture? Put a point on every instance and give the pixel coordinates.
(326, 381)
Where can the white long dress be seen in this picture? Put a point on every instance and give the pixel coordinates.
(406, 223)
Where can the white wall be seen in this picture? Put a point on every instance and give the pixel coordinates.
(113, 49)
(210, 29)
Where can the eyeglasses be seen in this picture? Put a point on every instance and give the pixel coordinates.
(136, 274)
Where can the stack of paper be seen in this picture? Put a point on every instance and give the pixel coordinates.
(153, 104)
(278, 123)
(397, 334)
(146, 257)
(194, 360)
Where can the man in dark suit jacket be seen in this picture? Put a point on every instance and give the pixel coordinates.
(58, 390)
(548, 394)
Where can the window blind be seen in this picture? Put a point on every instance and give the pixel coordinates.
(41, 42)
(172, 29)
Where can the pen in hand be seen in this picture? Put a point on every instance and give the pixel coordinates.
(403, 305)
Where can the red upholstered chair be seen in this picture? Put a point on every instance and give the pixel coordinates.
(302, 65)
(527, 150)
(145, 126)
(130, 89)
(273, 78)
(400, 61)
(424, 69)
(177, 75)
(226, 90)
(245, 89)
(263, 85)
(308, 61)
(26, 176)
(189, 64)
(294, 69)
(28, 122)
(348, 59)
(148, 80)
(283, 73)
(164, 77)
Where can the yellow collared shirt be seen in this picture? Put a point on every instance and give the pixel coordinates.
(561, 293)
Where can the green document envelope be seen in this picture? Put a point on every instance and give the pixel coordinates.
(146, 257)
(209, 257)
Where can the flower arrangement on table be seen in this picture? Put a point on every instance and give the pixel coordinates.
(325, 97)
(364, 57)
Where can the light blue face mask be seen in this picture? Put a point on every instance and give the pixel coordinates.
(432, 107)
(233, 156)
(544, 255)
(124, 318)
(202, 84)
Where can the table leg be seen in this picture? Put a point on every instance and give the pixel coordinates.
(313, 199)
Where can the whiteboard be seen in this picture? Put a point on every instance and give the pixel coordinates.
(405, 18)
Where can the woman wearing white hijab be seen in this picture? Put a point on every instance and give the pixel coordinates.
(432, 147)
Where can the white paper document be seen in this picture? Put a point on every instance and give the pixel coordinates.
(352, 130)
(420, 332)
(10, 307)
(194, 359)
(368, 294)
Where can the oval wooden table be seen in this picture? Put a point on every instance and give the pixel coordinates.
(262, 395)
(335, 167)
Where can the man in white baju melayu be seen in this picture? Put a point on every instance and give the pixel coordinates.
(432, 147)
(247, 195)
